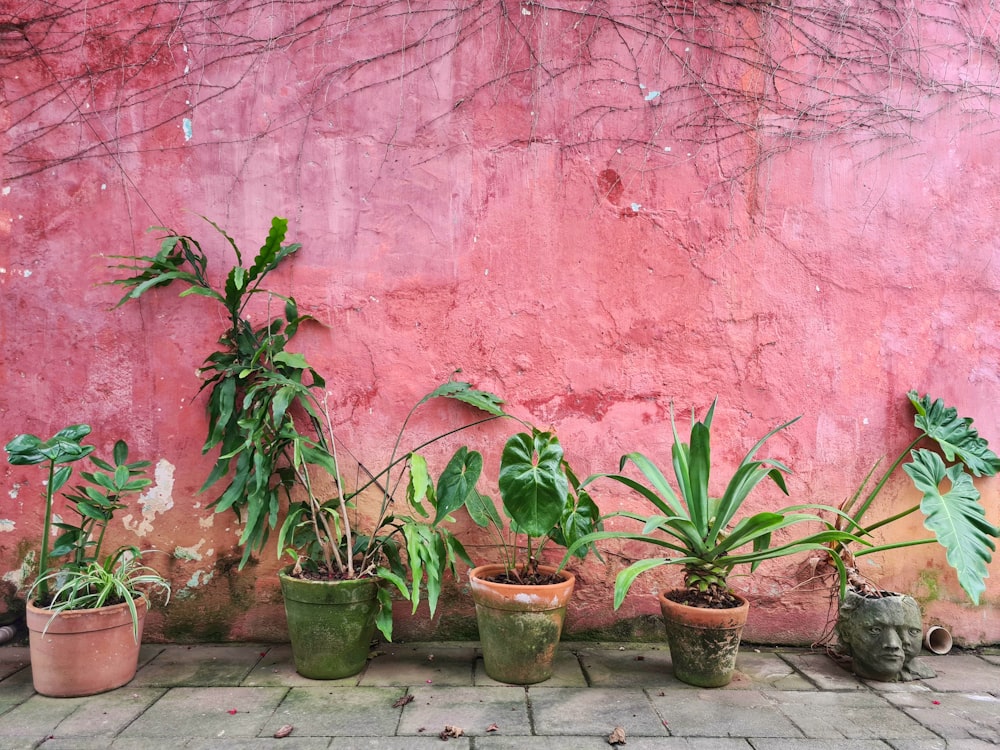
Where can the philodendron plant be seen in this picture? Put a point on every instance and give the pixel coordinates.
(72, 574)
(540, 496)
(950, 502)
(279, 459)
(705, 534)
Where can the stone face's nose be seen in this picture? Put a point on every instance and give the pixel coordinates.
(891, 640)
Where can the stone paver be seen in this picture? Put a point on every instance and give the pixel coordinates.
(234, 697)
(954, 716)
(822, 671)
(565, 711)
(474, 711)
(847, 715)
(12, 659)
(218, 712)
(218, 666)
(627, 668)
(723, 713)
(963, 673)
(421, 664)
(338, 711)
(109, 713)
(814, 744)
(601, 743)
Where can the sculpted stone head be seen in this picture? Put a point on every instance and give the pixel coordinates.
(883, 637)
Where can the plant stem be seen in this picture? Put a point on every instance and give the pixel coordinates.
(43, 562)
(885, 478)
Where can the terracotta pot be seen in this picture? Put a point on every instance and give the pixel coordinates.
(519, 626)
(703, 642)
(83, 651)
(330, 624)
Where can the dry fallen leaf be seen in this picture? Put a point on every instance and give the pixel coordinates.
(492, 728)
(403, 701)
(450, 731)
(284, 731)
(617, 737)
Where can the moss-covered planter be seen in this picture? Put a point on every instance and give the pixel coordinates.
(519, 626)
(703, 642)
(330, 624)
(83, 651)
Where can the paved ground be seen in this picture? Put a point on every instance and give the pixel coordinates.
(231, 697)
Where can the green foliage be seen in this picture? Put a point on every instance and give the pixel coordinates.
(82, 579)
(278, 458)
(956, 516)
(120, 579)
(540, 495)
(701, 532)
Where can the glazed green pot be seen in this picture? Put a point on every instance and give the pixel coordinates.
(519, 626)
(330, 624)
(703, 643)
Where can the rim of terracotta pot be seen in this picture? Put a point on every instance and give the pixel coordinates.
(704, 617)
(40, 619)
(518, 597)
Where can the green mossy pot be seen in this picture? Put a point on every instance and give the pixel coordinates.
(330, 624)
(519, 626)
(703, 642)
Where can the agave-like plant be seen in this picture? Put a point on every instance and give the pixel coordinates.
(955, 517)
(702, 532)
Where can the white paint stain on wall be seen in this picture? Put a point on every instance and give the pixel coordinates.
(188, 129)
(22, 574)
(190, 553)
(157, 499)
(6, 525)
(197, 579)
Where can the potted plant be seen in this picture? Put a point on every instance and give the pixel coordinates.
(281, 464)
(85, 614)
(520, 602)
(705, 618)
(954, 516)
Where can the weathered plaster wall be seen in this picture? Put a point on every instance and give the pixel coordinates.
(447, 224)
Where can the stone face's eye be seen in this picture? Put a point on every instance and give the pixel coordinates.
(875, 630)
(915, 631)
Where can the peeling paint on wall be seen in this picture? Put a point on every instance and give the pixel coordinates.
(158, 499)
(6, 525)
(21, 574)
(193, 552)
(197, 579)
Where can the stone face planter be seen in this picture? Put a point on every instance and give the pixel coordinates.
(703, 642)
(83, 651)
(882, 635)
(330, 624)
(519, 626)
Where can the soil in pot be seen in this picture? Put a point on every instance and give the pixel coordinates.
(704, 641)
(519, 625)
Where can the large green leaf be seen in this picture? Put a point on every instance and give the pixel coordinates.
(956, 517)
(456, 481)
(954, 434)
(482, 510)
(532, 483)
(483, 400)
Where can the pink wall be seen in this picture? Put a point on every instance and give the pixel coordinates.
(458, 208)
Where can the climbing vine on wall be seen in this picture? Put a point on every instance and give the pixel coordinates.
(651, 81)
